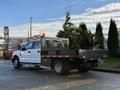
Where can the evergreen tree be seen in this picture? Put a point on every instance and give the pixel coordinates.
(69, 32)
(86, 37)
(113, 40)
(79, 37)
(99, 38)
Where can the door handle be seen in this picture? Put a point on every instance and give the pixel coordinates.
(29, 52)
(38, 51)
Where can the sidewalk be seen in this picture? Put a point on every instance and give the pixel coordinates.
(107, 70)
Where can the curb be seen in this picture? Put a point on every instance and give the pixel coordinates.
(5, 62)
(106, 70)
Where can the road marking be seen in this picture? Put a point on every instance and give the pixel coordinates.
(65, 85)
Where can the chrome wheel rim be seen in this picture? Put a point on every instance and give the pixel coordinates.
(58, 67)
(15, 63)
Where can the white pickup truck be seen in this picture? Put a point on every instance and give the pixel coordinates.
(55, 53)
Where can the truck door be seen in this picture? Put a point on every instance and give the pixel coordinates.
(31, 54)
(25, 54)
(36, 52)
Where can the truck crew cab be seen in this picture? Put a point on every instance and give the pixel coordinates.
(54, 53)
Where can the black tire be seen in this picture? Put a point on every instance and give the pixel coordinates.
(84, 67)
(60, 68)
(16, 63)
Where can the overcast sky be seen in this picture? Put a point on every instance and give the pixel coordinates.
(48, 15)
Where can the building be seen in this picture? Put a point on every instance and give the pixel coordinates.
(14, 42)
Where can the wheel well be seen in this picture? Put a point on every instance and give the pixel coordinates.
(15, 57)
(66, 60)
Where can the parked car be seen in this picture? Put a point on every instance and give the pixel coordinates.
(8, 54)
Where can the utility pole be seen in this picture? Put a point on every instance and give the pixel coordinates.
(30, 26)
(28, 34)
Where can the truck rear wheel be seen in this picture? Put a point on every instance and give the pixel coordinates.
(60, 68)
(16, 63)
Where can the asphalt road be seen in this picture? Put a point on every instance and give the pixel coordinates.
(35, 79)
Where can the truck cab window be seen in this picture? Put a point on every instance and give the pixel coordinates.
(28, 46)
(47, 44)
(57, 44)
(66, 45)
(36, 45)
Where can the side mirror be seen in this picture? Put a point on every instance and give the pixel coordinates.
(19, 48)
(23, 49)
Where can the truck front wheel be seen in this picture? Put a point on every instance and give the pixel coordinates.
(60, 68)
(16, 63)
